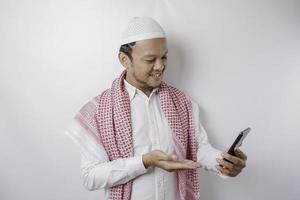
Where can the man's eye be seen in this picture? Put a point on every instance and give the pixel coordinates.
(152, 60)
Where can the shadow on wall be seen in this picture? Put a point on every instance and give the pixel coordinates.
(176, 64)
(178, 71)
(183, 63)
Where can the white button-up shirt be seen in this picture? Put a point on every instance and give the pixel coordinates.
(150, 131)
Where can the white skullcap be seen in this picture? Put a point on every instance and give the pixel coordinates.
(142, 28)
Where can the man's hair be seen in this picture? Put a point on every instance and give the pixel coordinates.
(127, 49)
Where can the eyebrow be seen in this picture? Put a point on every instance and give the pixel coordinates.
(153, 55)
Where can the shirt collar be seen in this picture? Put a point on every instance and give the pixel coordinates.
(133, 90)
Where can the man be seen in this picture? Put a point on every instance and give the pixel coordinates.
(141, 138)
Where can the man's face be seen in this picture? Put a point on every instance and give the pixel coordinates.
(149, 59)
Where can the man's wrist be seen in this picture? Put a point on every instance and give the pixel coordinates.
(146, 160)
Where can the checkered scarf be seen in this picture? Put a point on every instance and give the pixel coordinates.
(107, 119)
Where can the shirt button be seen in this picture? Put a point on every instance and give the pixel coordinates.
(159, 183)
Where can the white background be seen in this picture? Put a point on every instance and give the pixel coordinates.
(240, 60)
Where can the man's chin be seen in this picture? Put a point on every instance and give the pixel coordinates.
(156, 85)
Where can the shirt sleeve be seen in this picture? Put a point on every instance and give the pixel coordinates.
(97, 171)
(206, 154)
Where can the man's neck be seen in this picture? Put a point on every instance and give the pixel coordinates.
(147, 91)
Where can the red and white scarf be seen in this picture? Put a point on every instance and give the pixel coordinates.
(109, 122)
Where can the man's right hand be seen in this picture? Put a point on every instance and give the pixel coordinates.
(167, 162)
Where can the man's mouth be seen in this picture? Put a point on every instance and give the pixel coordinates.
(157, 75)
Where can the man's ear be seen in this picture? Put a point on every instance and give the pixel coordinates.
(124, 60)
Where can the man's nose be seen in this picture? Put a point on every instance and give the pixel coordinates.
(159, 65)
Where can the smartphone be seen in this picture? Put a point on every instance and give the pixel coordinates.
(238, 142)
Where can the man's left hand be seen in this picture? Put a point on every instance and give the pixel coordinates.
(235, 164)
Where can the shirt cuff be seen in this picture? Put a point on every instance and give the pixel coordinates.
(220, 174)
(135, 166)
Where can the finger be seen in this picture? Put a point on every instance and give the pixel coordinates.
(185, 164)
(225, 164)
(235, 160)
(227, 172)
(240, 154)
(174, 157)
(231, 166)
(223, 170)
(196, 164)
(188, 162)
(175, 165)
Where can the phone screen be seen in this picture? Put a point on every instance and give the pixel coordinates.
(238, 141)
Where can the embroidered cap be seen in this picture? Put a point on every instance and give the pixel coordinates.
(142, 28)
